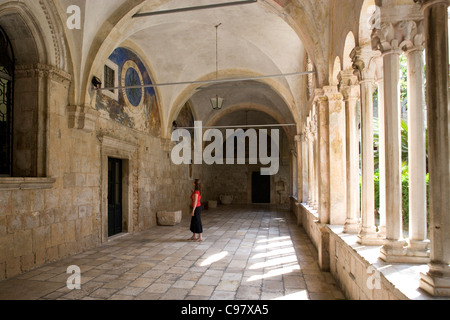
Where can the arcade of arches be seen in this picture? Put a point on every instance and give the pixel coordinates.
(86, 126)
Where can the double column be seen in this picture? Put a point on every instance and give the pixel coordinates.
(390, 40)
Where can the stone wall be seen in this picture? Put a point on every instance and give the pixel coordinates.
(236, 180)
(48, 218)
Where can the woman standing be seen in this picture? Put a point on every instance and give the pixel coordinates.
(196, 221)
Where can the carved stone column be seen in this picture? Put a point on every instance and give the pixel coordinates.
(362, 62)
(350, 92)
(299, 145)
(387, 40)
(437, 279)
(324, 157)
(309, 143)
(305, 166)
(313, 159)
(337, 160)
(417, 248)
(381, 149)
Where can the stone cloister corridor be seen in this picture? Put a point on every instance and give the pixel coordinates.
(249, 253)
(320, 128)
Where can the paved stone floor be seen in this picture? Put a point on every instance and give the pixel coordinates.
(248, 252)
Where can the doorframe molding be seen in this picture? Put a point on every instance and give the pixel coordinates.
(126, 151)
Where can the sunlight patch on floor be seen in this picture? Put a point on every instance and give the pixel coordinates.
(214, 258)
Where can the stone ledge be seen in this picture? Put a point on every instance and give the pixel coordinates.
(399, 280)
(353, 265)
(26, 183)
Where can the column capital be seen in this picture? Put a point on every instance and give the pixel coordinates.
(428, 3)
(396, 29)
(348, 85)
(333, 93)
(363, 66)
(319, 94)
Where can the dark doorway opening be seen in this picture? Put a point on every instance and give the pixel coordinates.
(115, 168)
(260, 188)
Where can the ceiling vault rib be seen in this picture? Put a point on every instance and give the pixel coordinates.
(154, 85)
(210, 6)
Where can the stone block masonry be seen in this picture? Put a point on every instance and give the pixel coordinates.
(49, 218)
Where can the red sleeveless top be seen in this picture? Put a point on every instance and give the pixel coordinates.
(199, 197)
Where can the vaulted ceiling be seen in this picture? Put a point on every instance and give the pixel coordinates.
(266, 37)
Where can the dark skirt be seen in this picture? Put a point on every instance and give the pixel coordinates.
(196, 221)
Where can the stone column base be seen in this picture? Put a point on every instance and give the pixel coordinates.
(418, 251)
(324, 248)
(395, 251)
(352, 226)
(437, 280)
(369, 237)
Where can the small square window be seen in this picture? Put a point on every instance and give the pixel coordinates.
(111, 80)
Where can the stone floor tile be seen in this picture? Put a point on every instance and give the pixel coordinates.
(228, 285)
(273, 285)
(175, 294)
(103, 293)
(202, 290)
(141, 282)
(248, 293)
(209, 280)
(130, 291)
(223, 295)
(116, 284)
(248, 253)
(184, 284)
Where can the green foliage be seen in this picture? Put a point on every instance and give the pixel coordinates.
(404, 146)
(405, 193)
(405, 172)
(404, 142)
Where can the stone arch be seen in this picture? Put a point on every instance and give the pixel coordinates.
(23, 31)
(35, 68)
(335, 72)
(188, 93)
(121, 20)
(143, 114)
(365, 23)
(251, 107)
(350, 44)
